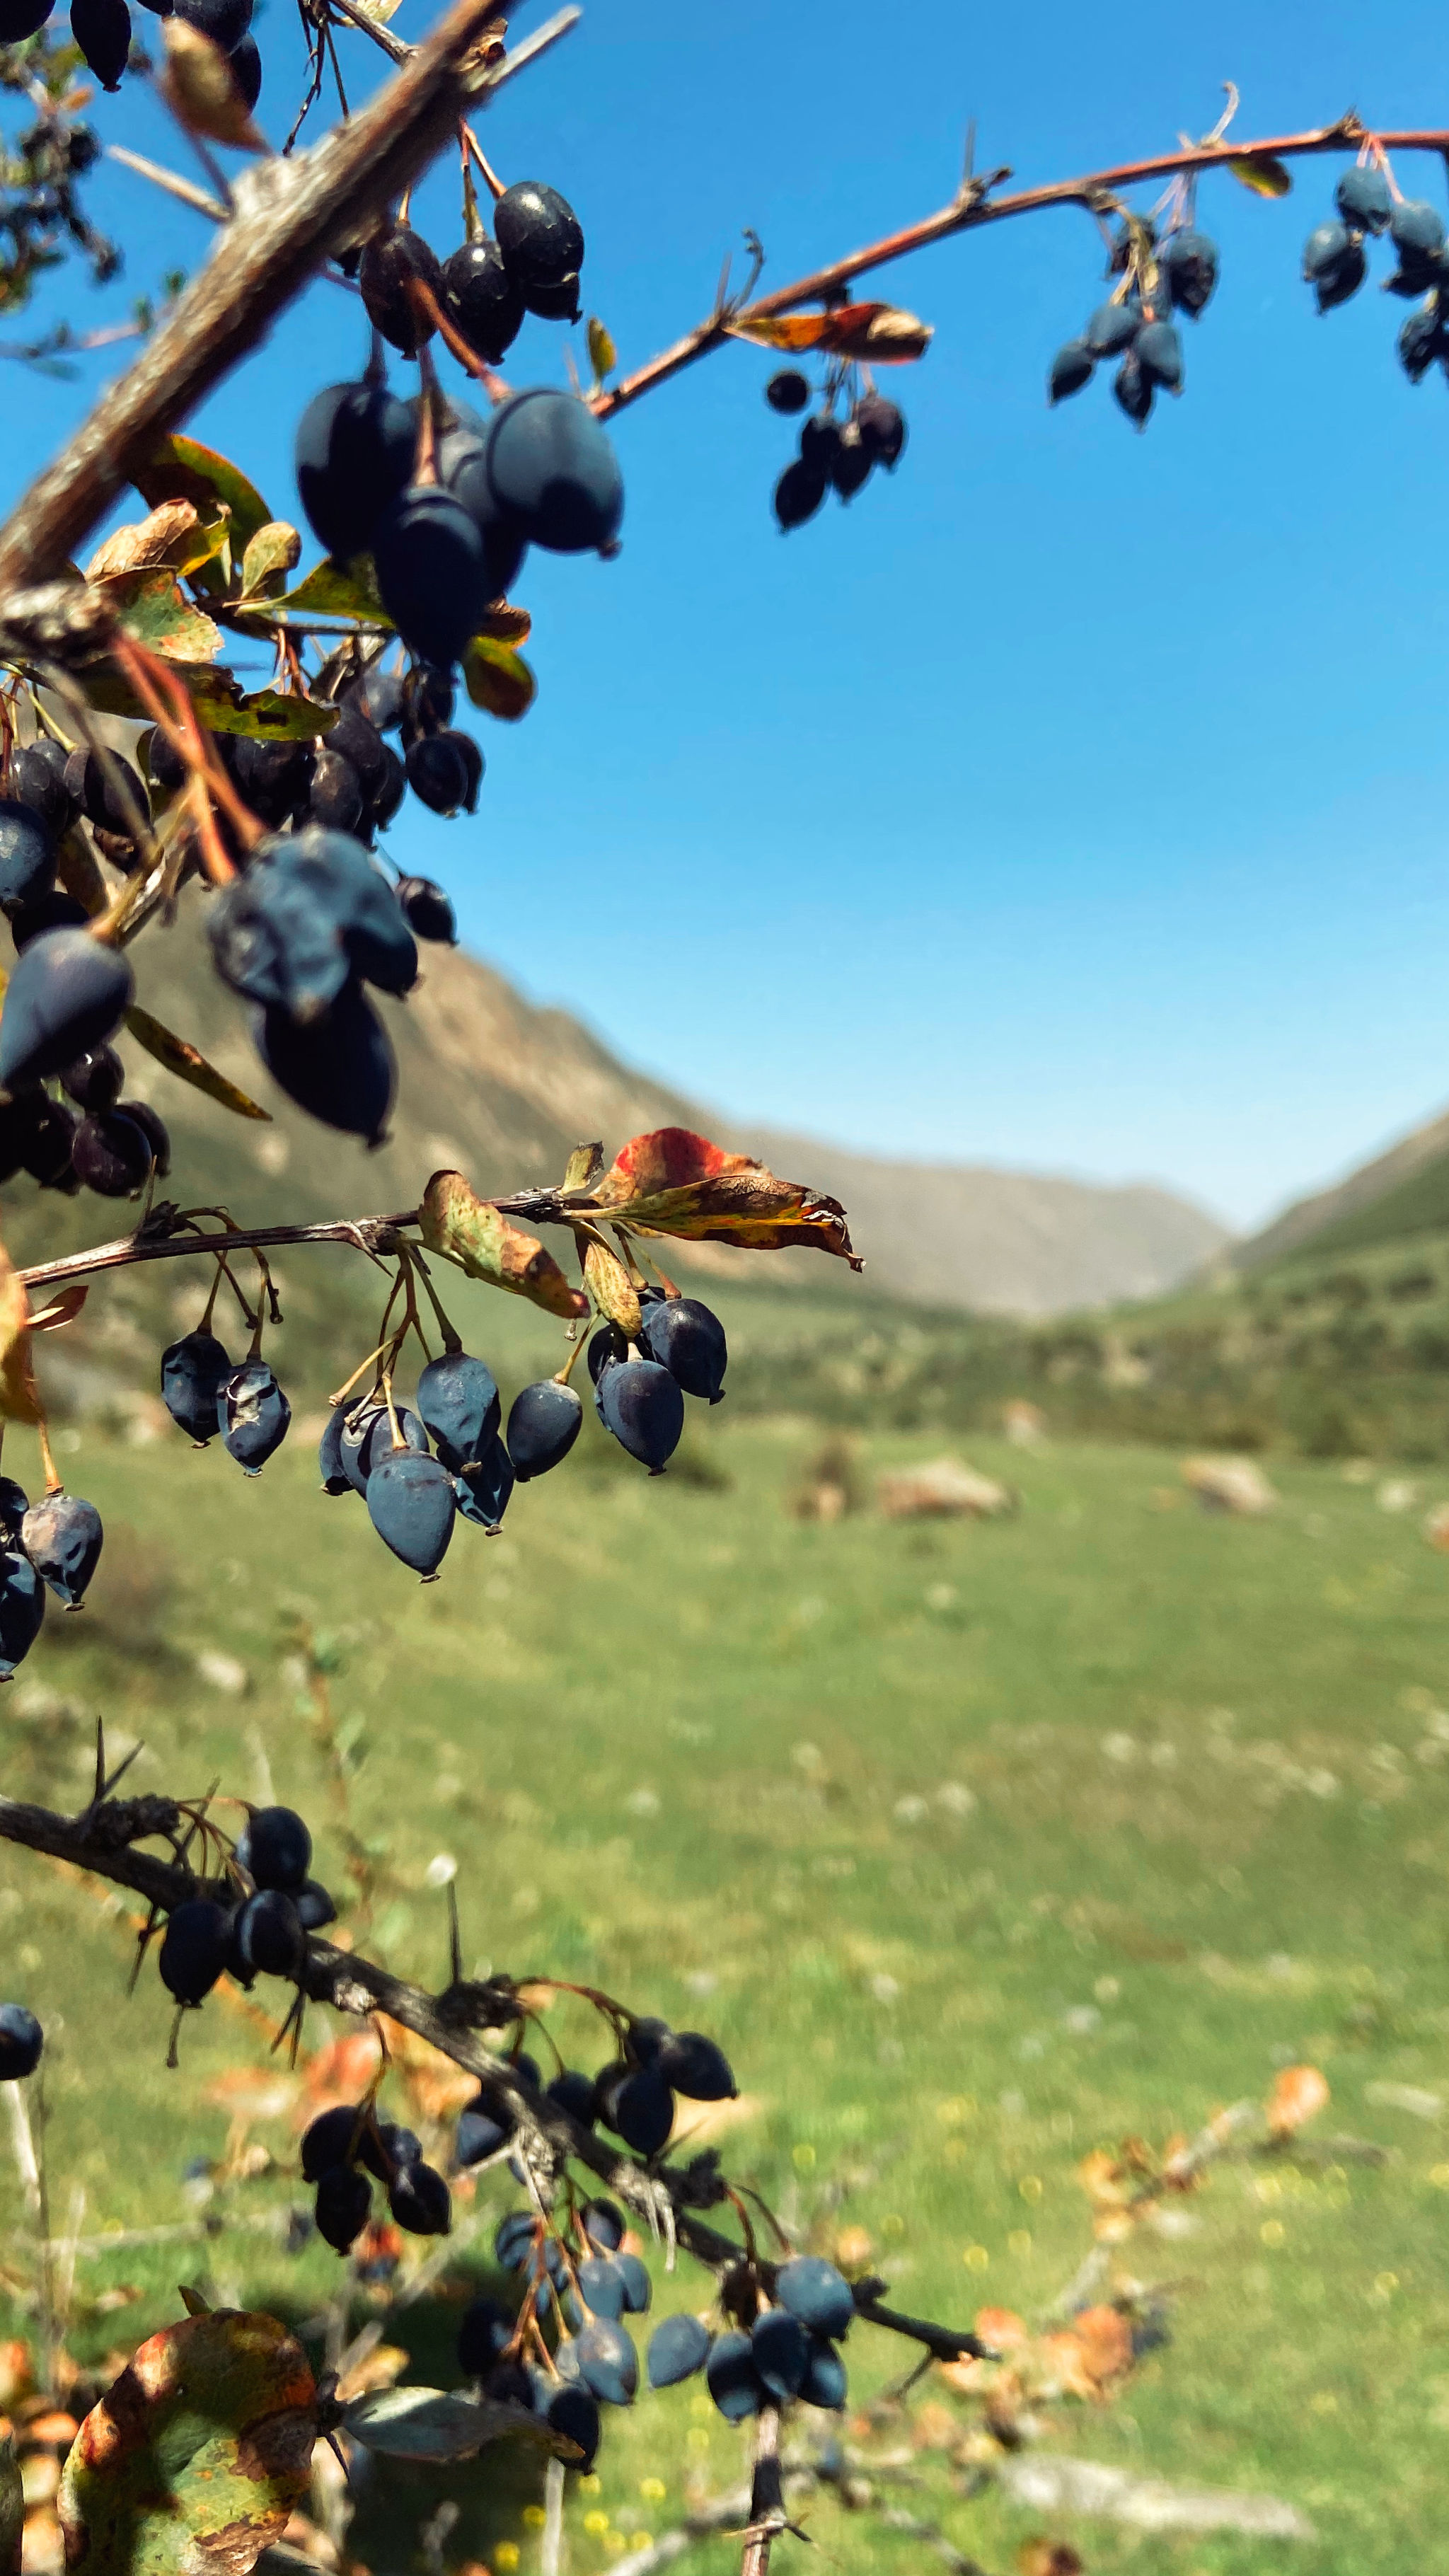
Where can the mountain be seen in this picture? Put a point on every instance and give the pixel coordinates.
(502, 1090)
(1402, 1192)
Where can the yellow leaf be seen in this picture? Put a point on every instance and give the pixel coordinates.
(274, 549)
(603, 356)
(457, 1223)
(200, 88)
(498, 680)
(189, 1065)
(63, 1309)
(609, 1284)
(1265, 176)
(674, 1182)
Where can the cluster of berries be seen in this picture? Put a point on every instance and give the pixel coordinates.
(834, 454)
(633, 2096)
(447, 503)
(263, 1932)
(346, 2146)
(784, 2343)
(53, 1545)
(1175, 272)
(101, 30)
(639, 1389)
(530, 263)
(1335, 260)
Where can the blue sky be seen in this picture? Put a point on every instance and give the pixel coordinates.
(1075, 800)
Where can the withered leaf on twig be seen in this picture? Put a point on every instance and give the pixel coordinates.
(456, 1222)
(674, 1182)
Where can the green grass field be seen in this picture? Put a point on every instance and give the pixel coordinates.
(978, 1846)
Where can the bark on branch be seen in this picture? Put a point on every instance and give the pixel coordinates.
(291, 215)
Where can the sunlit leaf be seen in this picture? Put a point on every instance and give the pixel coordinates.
(505, 624)
(876, 334)
(432, 2424)
(174, 535)
(1265, 176)
(674, 1182)
(456, 1222)
(63, 1308)
(196, 2457)
(582, 1165)
(338, 590)
(603, 356)
(610, 1286)
(498, 679)
(189, 1065)
(275, 549)
(271, 715)
(160, 616)
(181, 469)
(202, 91)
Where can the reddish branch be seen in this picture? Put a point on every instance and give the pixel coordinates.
(973, 206)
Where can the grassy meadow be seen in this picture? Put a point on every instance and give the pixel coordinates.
(979, 1846)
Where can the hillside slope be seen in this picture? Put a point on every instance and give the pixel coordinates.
(502, 1090)
(1392, 1196)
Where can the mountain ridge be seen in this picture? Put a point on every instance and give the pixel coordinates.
(502, 1088)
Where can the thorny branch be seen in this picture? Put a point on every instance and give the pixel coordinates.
(972, 206)
(102, 1839)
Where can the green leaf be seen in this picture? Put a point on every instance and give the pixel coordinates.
(196, 2457)
(189, 1064)
(338, 590)
(1265, 176)
(431, 2424)
(271, 716)
(153, 610)
(275, 549)
(603, 356)
(498, 679)
(181, 469)
(466, 1229)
